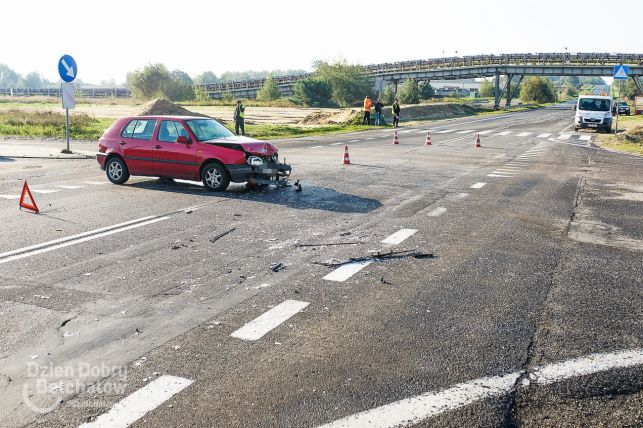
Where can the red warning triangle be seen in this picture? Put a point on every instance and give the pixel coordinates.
(31, 205)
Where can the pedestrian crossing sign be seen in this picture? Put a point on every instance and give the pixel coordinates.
(621, 72)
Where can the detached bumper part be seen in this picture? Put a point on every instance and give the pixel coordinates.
(274, 173)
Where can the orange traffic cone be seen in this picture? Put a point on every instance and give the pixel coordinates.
(428, 139)
(347, 159)
(478, 141)
(395, 140)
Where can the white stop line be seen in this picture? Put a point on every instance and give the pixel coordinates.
(413, 410)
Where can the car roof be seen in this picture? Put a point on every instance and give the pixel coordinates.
(161, 116)
(600, 97)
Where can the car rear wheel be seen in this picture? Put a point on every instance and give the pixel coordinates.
(116, 170)
(215, 177)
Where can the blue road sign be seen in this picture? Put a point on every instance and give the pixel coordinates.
(621, 72)
(67, 68)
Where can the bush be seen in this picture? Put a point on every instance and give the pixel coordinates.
(570, 90)
(537, 89)
(269, 90)
(409, 92)
(313, 92)
(349, 82)
(388, 95)
(155, 81)
(427, 91)
(487, 89)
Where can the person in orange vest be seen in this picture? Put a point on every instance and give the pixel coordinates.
(367, 110)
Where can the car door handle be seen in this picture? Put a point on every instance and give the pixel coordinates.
(122, 143)
(158, 146)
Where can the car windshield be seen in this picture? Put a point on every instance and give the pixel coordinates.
(208, 129)
(622, 104)
(594, 104)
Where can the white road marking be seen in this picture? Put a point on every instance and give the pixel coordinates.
(508, 170)
(406, 131)
(414, 410)
(316, 147)
(354, 141)
(498, 156)
(76, 239)
(545, 135)
(466, 131)
(437, 212)
(564, 136)
(444, 131)
(585, 137)
(504, 133)
(63, 186)
(337, 144)
(138, 404)
(195, 183)
(257, 328)
(461, 195)
(10, 196)
(399, 236)
(477, 185)
(344, 272)
(369, 138)
(44, 191)
(523, 134)
(498, 175)
(586, 365)
(488, 131)
(96, 183)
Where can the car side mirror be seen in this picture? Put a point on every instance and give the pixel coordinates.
(182, 139)
(574, 107)
(613, 109)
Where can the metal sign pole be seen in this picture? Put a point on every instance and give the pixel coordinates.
(67, 127)
(618, 96)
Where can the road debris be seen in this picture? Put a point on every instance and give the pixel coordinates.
(221, 235)
(326, 244)
(276, 267)
(378, 256)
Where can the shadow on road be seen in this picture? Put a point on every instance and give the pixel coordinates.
(312, 197)
(5, 159)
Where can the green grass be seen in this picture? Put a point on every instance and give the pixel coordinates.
(622, 143)
(270, 132)
(51, 124)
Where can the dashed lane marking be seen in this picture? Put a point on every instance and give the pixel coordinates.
(444, 131)
(344, 272)
(466, 131)
(498, 175)
(504, 133)
(138, 404)
(414, 410)
(44, 191)
(260, 326)
(10, 196)
(67, 187)
(523, 134)
(564, 137)
(399, 236)
(336, 144)
(585, 137)
(478, 185)
(406, 131)
(545, 135)
(96, 183)
(316, 147)
(354, 141)
(437, 212)
(488, 131)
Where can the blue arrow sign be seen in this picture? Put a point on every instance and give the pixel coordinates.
(67, 68)
(621, 72)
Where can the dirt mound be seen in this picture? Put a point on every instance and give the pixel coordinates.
(162, 106)
(331, 117)
(635, 134)
(435, 111)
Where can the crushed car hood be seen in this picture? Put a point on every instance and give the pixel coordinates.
(248, 145)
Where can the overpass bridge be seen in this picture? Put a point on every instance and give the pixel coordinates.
(514, 66)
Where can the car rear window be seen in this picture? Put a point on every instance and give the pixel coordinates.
(141, 129)
(208, 129)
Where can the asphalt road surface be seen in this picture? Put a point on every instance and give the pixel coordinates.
(442, 286)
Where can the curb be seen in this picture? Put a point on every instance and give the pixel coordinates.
(76, 157)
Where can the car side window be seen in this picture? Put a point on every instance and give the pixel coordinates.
(140, 129)
(169, 131)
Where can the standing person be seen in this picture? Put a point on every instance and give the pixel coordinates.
(395, 109)
(239, 114)
(378, 111)
(367, 110)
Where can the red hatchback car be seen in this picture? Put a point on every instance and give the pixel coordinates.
(191, 148)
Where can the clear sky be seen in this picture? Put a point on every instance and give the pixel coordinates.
(110, 38)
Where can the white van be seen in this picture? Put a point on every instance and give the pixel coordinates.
(593, 111)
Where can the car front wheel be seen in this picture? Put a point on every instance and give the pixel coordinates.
(215, 177)
(117, 171)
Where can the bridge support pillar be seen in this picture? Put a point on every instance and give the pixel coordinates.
(639, 85)
(512, 93)
(496, 92)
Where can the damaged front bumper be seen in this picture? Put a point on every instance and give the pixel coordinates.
(269, 173)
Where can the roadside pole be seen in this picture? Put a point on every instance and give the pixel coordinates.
(618, 97)
(620, 73)
(67, 69)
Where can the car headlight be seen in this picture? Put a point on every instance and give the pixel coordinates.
(255, 161)
(608, 115)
